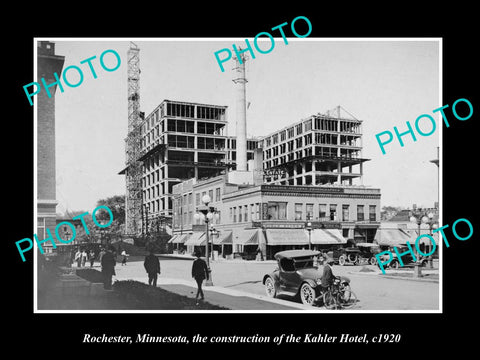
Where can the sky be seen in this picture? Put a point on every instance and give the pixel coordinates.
(384, 82)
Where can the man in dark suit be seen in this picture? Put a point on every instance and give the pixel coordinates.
(152, 266)
(328, 277)
(200, 272)
(108, 267)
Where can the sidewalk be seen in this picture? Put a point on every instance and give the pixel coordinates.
(228, 298)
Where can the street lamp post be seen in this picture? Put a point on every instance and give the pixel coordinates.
(213, 232)
(421, 217)
(206, 214)
(308, 227)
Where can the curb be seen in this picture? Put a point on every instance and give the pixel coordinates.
(389, 276)
(224, 291)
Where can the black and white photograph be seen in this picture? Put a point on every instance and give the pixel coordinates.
(268, 168)
(290, 182)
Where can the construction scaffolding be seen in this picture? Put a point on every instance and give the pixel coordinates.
(133, 172)
(322, 149)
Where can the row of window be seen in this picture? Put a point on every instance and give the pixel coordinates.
(278, 211)
(155, 206)
(199, 196)
(203, 112)
(319, 124)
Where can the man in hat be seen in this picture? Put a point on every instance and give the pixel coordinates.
(328, 277)
(200, 272)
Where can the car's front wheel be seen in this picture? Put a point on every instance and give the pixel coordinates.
(270, 287)
(307, 294)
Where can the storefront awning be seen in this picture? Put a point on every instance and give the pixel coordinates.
(180, 239)
(392, 237)
(395, 237)
(224, 237)
(327, 237)
(245, 236)
(287, 237)
(196, 239)
(172, 239)
(424, 239)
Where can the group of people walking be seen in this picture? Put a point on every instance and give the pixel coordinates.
(81, 257)
(108, 259)
(200, 272)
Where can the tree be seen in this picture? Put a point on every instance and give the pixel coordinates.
(116, 204)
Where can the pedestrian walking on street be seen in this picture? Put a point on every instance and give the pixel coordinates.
(78, 258)
(91, 257)
(199, 273)
(101, 253)
(84, 257)
(152, 266)
(124, 257)
(108, 267)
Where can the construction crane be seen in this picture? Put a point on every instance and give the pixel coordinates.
(133, 199)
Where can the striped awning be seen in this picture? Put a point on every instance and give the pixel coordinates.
(224, 237)
(287, 237)
(196, 239)
(245, 236)
(327, 237)
(172, 239)
(180, 239)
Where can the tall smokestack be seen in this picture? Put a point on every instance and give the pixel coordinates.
(240, 80)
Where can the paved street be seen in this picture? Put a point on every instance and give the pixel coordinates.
(374, 292)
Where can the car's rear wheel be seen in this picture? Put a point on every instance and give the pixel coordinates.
(307, 294)
(373, 260)
(270, 287)
(342, 259)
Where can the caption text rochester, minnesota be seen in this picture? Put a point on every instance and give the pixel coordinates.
(147, 338)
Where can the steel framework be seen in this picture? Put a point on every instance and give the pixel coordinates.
(133, 199)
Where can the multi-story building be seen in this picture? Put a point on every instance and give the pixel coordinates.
(274, 217)
(298, 191)
(321, 149)
(180, 141)
(48, 63)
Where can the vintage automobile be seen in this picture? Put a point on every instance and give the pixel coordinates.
(297, 274)
(357, 254)
(342, 256)
(407, 259)
(368, 252)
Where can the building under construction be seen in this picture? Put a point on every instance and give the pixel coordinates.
(319, 150)
(179, 141)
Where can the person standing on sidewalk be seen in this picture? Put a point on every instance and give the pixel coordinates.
(84, 257)
(199, 273)
(152, 266)
(78, 257)
(91, 257)
(108, 268)
(124, 257)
